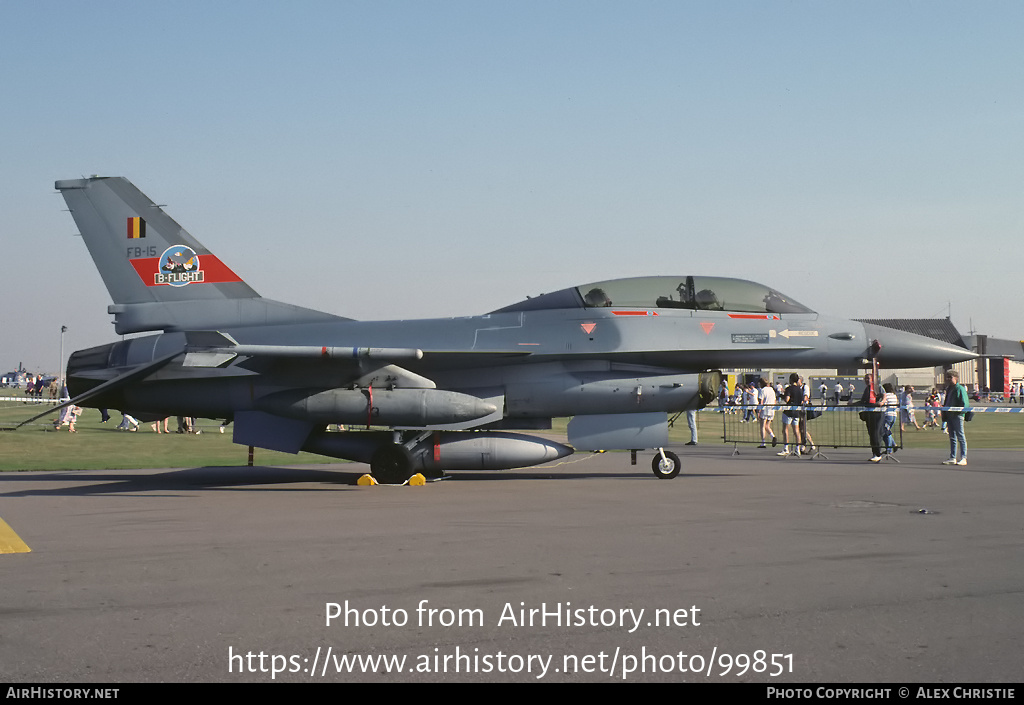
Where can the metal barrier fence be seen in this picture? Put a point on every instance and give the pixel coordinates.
(823, 426)
(832, 426)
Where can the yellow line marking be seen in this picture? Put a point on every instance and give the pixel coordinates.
(10, 542)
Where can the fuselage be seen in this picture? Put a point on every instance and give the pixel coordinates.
(508, 352)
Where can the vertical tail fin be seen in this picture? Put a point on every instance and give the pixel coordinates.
(156, 273)
(141, 253)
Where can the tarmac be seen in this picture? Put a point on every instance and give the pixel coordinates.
(747, 568)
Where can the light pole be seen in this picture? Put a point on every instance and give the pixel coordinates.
(60, 363)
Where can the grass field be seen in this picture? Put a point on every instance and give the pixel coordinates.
(102, 446)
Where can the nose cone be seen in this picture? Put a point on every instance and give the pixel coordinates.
(902, 349)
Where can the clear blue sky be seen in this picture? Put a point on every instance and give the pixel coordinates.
(419, 159)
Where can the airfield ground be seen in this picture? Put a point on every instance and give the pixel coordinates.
(837, 571)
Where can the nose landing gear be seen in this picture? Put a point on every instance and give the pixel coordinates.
(666, 464)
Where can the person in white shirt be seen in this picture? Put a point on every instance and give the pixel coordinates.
(890, 403)
(766, 411)
(907, 415)
(805, 435)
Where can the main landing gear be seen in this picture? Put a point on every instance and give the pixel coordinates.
(395, 463)
(391, 464)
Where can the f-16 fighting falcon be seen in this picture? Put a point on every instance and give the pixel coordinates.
(428, 396)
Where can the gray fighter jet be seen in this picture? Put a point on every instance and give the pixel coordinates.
(427, 396)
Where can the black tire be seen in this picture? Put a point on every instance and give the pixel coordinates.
(668, 468)
(391, 464)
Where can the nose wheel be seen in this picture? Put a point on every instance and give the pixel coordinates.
(666, 464)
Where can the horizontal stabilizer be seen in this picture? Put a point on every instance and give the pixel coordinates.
(121, 380)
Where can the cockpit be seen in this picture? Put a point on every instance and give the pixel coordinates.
(686, 292)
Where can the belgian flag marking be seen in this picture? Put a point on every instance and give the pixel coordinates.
(136, 228)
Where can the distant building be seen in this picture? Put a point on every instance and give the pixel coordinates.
(1001, 362)
(935, 328)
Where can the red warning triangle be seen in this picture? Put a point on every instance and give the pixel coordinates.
(588, 328)
(707, 326)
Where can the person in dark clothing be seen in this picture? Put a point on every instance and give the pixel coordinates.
(872, 419)
(793, 396)
(956, 397)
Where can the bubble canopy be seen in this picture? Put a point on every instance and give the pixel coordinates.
(682, 292)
